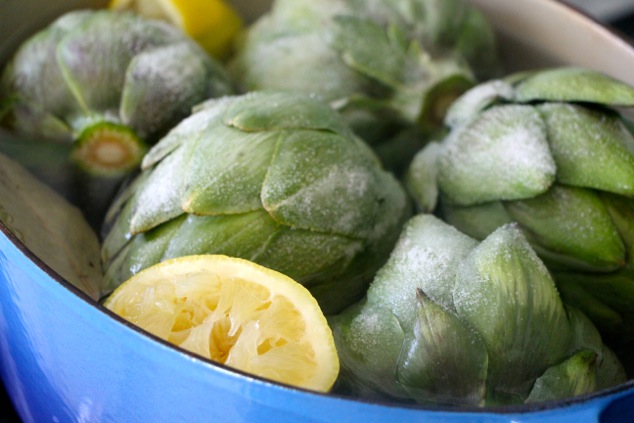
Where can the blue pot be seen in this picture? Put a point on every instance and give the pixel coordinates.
(65, 358)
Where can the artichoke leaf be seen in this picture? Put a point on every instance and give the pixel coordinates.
(418, 80)
(321, 181)
(476, 41)
(592, 149)
(425, 257)
(30, 72)
(585, 334)
(304, 15)
(31, 119)
(573, 292)
(295, 244)
(256, 112)
(506, 294)
(187, 131)
(621, 210)
(139, 252)
(443, 361)
(244, 235)
(195, 178)
(442, 19)
(94, 58)
(503, 155)
(302, 62)
(151, 101)
(552, 223)
(575, 376)
(396, 152)
(572, 84)
(210, 184)
(369, 339)
(322, 275)
(610, 371)
(365, 46)
(476, 221)
(614, 288)
(161, 197)
(118, 234)
(476, 100)
(421, 177)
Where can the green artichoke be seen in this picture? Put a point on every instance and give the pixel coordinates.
(456, 322)
(391, 67)
(108, 83)
(548, 150)
(276, 178)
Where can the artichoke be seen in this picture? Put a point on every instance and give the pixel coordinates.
(391, 67)
(549, 150)
(276, 178)
(455, 322)
(108, 83)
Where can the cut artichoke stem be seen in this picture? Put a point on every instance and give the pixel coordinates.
(108, 149)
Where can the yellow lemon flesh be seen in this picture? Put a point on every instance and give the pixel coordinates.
(212, 23)
(235, 312)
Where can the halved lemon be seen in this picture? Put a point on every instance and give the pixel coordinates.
(212, 23)
(234, 312)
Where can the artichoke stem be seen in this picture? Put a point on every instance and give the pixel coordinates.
(108, 149)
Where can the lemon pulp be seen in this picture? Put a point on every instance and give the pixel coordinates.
(234, 312)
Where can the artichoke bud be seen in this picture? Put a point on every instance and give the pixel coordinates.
(91, 79)
(276, 178)
(386, 66)
(471, 324)
(443, 361)
(548, 150)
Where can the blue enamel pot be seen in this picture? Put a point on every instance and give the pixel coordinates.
(65, 358)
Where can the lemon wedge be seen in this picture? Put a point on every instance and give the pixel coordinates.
(212, 23)
(234, 312)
